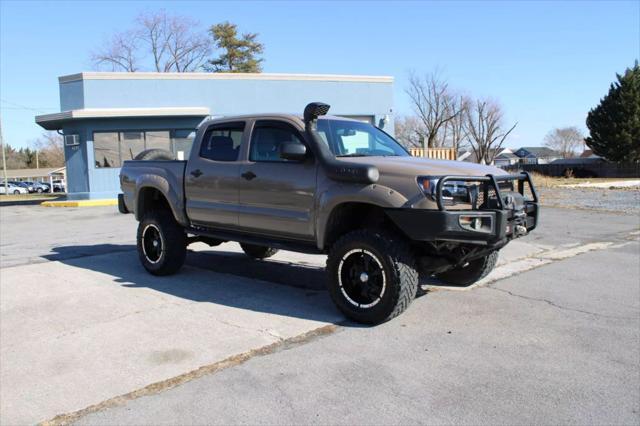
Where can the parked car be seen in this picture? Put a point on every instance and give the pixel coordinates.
(58, 185)
(22, 184)
(38, 187)
(331, 185)
(12, 189)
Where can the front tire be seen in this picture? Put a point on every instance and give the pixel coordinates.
(258, 252)
(372, 275)
(162, 243)
(471, 272)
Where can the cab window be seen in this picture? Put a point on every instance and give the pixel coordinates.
(222, 142)
(267, 139)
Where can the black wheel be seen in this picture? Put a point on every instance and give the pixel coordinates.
(258, 252)
(39, 190)
(155, 154)
(162, 243)
(16, 192)
(372, 275)
(471, 272)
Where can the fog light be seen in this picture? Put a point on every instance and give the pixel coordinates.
(476, 223)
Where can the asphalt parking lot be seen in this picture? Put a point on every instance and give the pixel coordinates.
(86, 336)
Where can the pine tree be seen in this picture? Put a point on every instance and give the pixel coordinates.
(614, 125)
(239, 54)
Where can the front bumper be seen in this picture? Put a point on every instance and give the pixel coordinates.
(503, 221)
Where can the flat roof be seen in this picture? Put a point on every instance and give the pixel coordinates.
(32, 173)
(221, 76)
(55, 120)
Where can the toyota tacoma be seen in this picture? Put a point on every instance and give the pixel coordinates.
(322, 184)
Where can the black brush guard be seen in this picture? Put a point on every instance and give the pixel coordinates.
(509, 218)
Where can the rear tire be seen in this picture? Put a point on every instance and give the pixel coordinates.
(161, 242)
(372, 275)
(471, 272)
(258, 252)
(155, 154)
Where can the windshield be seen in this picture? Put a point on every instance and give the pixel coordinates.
(357, 139)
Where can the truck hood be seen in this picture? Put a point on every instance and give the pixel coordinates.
(417, 166)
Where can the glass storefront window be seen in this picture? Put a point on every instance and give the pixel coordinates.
(106, 149)
(110, 149)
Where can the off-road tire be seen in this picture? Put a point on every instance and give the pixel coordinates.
(173, 240)
(155, 154)
(398, 266)
(471, 272)
(258, 252)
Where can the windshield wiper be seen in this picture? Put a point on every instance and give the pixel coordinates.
(352, 155)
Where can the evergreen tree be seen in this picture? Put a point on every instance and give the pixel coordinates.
(239, 54)
(614, 125)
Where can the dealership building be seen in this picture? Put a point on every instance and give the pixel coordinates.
(107, 118)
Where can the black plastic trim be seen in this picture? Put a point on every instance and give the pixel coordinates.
(122, 207)
(242, 237)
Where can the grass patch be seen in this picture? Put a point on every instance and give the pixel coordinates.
(542, 181)
(28, 197)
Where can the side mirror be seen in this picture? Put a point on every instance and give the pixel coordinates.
(293, 151)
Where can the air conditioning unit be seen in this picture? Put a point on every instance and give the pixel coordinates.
(71, 140)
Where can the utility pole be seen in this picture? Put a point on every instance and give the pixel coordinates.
(4, 160)
(37, 160)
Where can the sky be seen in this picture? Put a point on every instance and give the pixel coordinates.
(546, 62)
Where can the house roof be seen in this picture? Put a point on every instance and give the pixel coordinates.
(34, 173)
(506, 155)
(221, 76)
(54, 121)
(538, 151)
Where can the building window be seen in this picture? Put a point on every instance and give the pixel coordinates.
(181, 142)
(106, 149)
(110, 149)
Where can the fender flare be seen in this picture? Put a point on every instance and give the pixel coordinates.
(336, 195)
(162, 185)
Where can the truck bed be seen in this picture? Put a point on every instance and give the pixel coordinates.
(166, 175)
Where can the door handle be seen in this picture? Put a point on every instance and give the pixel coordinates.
(196, 173)
(248, 175)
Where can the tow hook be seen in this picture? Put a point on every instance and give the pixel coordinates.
(520, 230)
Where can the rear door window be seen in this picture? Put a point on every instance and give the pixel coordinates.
(222, 142)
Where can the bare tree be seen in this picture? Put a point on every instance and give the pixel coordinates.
(120, 53)
(455, 131)
(409, 131)
(433, 104)
(484, 125)
(172, 41)
(565, 140)
(50, 149)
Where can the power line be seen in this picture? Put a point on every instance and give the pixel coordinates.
(19, 106)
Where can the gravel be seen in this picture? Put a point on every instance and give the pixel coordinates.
(613, 200)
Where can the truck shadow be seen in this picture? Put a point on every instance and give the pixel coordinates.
(217, 276)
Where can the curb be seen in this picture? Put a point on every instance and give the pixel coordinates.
(80, 203)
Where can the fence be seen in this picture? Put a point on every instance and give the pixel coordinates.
(576, 169)
(435, 153)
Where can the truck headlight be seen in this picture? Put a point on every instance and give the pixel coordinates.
(453, 192)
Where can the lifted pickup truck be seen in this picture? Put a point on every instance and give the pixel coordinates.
(322, 184)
